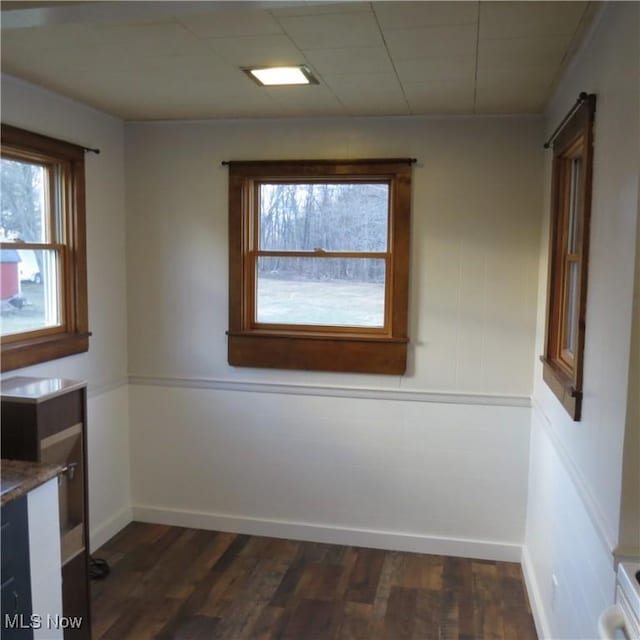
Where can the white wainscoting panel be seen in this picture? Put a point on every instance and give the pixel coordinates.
(109, 464)
(361, 471)
(562, 541)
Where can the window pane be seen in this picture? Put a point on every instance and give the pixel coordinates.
(29, 292)
(574, 183)
(571, 309)
(334, 217)
(23, 201)
(344, 292)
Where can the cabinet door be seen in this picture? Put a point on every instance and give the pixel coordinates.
(15, 577)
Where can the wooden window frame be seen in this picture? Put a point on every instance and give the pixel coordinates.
(65, 163)
(563, 369)
(318, 348)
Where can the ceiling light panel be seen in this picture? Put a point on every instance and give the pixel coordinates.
(281, 76)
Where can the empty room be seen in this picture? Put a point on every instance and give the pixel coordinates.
(320, 320)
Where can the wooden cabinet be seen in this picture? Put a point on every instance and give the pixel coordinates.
(44, 420)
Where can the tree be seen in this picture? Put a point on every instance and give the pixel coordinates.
(328, 216)
(21, 186)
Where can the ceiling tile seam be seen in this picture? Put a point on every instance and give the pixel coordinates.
(258, 63)
(432, 26)
(321, 15)
(246, 36)
(475, 71)
(391, 60)
(525, 38)
(186, 27)
(112, 26)
(200, 38)
(274, 101)
(435, 56)
(311, 66)
(349, 48)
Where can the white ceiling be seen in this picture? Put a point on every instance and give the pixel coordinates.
(172, 60)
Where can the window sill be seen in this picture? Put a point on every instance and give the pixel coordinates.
(345, 353)
(563, 387)
(16, 355)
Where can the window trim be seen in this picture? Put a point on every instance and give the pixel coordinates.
(319, 348)
(72, 336)
(564, 375)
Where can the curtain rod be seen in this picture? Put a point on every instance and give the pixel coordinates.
(583, 97)
(226, 163)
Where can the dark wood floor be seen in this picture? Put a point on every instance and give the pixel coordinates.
(168, 582)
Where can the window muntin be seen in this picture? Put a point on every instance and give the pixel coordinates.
(42, 235)
(319, 251)
(568, 257)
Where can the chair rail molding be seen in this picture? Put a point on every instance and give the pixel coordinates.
(366, 393)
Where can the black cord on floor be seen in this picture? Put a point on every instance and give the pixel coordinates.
(98, 568)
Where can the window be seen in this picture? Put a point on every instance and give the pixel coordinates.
(319, 264)
(43, 256)
(568, 256)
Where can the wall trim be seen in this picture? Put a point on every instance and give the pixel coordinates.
(94, 390)
(535, 599)
(605, 534)
(106, 530)
(315, 532)
(368, 393)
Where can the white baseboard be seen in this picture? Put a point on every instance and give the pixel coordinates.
(535, 599)
(106, 530)
(312, 532)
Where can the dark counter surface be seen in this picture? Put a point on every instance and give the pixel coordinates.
(19, 477)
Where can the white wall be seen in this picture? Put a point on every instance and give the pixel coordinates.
(576, 467)
(629, 534)
(364, 458)
(474, 252)
(104, 367)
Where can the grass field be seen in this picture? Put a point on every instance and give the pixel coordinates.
(31, 316)
(325, 302)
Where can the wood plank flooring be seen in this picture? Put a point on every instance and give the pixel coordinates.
(187, 584)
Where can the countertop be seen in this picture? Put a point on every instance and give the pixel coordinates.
(19, 477)
(35, 390)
